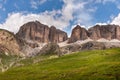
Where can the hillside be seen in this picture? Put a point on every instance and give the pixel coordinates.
(85, 65)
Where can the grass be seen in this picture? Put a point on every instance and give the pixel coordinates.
(7, 59)
(85, 65)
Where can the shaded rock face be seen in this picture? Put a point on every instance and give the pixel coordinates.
(78, 33)
(57, 35)
(93, 46)
(36, 31)
(70, 48)
(104, 31)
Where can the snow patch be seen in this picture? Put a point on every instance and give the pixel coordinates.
(114, 40)
(65, 43)
(83, 41)
(102, 40)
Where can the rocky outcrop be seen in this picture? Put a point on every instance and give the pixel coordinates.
(78, 33)
(93, 46)
(57, 35)
(104, 31)
(36, 31)
(108, 32)
(50, 49)
(70, 48)
(9, 43)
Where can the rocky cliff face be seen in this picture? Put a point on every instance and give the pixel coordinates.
(57, 35)
(78, 33)
(97, 32)
(104, 31)
(9, 44)
(36, 31)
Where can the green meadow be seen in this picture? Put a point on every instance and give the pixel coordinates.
(84, 65)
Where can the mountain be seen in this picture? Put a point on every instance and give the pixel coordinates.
(33, 38)
(36, 40)
(37, 31)
(97, 32)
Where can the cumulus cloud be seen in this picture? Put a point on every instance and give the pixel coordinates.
(116, 20)
(78, 12)
(15, 20)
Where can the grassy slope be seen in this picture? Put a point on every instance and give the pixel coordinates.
(86, 65)
(6, 60)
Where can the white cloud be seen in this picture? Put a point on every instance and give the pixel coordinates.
(112, 17)
(42, 1)
(73, 26)
(36, 3)
(116, 20)
(101, 23)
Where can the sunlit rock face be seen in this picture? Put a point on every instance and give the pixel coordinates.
(97, 32)
(9, 43)
(78, 33)
(104, 31)
(36, 31)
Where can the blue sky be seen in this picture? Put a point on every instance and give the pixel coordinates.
(63, 14)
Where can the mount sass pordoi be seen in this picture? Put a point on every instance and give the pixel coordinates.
(35, 38)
